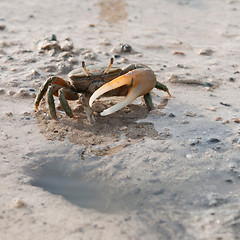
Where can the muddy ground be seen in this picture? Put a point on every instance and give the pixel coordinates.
(172, 173)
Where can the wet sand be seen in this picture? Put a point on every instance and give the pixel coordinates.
(172, 173)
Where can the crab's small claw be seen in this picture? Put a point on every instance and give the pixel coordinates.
(141, 81)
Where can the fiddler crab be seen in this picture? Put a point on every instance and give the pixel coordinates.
(133, 81)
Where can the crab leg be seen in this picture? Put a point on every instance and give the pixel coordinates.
(148, 101)
(51, 104)
(44, 88)
(65, 104)
(141, 81)
(162, 87)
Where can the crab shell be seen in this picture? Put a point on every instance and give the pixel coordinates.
(90, 83)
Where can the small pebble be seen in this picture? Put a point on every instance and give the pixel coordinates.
(65, 55)
(53, 38)
(179, 53)
(190, 114)
(229, 180)
(26, 113)
(19, 204)
(211, 109)
(9, 114)
(72, 60)
(207, 52)
(219, 119)
(225, 104)
(90, 56)
(106, 42)
(236, 120)
(48, 45)
(194, 142)
(23, 93)
(189, 156)
(180, 65)
(122, 48)
(126, 48)
(2, 91)
(11, 92)
(35, 72)
(2, 27)
(225, 122)
(213, 140)
(66, 45)
(171, 115)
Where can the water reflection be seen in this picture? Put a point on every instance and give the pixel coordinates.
(112, 11)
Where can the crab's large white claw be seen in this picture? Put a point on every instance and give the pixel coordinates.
(141, 81)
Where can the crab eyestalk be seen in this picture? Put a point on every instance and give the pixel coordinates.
(109, 66)
(141, 81)
(87, 73)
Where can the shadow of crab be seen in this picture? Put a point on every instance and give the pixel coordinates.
(107, 135)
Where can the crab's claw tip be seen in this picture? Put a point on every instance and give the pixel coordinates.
(141, 81)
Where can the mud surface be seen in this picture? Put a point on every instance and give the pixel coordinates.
(172, 173)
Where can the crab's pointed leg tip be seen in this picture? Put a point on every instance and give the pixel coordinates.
(169, 93)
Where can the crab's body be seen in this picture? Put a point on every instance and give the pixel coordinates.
(134, 80)
(88, 84)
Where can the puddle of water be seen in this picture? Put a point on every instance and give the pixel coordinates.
(74, 187)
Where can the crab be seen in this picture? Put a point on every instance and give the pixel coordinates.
(132, 81)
